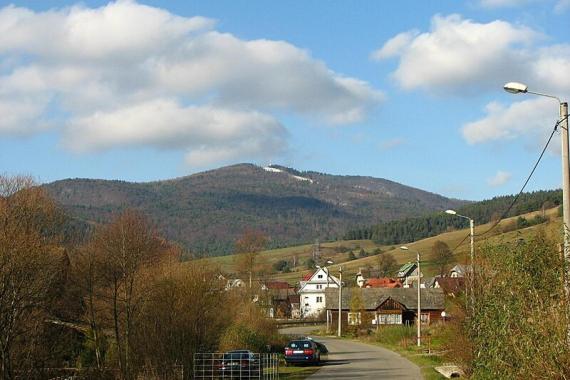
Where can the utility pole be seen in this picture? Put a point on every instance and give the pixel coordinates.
(340, 303)
(419, 301)
(472, 274)
(566, 201)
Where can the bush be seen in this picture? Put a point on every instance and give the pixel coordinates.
(518, 329)
(396, 335)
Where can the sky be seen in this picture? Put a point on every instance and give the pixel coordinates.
(409, 91)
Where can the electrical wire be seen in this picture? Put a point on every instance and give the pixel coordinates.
(506, 212)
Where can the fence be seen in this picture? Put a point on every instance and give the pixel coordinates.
(236, 365)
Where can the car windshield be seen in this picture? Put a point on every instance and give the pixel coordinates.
(300, 344)
(236, 355)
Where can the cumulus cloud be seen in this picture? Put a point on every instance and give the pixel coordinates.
(395, 45)
(459, 54)
(120, 70)
(218, 133)
(499, 179)
(532, 118)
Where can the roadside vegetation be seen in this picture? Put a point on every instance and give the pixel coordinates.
(117, 305)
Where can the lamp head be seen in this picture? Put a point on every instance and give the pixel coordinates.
(404, 248)
(451, 212)
(330, 262)
(515, 88)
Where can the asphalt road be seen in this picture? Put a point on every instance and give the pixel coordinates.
(354, 360)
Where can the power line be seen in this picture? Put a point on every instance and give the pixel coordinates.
(506, 212)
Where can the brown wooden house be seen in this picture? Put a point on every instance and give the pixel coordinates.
(384, 306)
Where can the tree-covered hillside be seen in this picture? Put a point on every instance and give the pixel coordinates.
(412, 229)
(207, 211)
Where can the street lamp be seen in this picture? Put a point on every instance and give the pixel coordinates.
(419, 322)
(519, 88)
(471, 273)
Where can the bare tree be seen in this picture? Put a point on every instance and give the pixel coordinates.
(29, 255)
(124, 249)
(248, 247)
(442, 255)
(387, 264)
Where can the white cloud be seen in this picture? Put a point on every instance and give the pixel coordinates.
(463, 56)
(123, 57)
(210, 134)
(499, 179)
(395, 46)
(460, 55)
(532, 118)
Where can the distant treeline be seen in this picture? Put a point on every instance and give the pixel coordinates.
(412, 229)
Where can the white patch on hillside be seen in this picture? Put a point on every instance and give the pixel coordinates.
(298, 178)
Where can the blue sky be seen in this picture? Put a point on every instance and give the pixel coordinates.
(409, 91)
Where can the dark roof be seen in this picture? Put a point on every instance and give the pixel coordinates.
(431, 299)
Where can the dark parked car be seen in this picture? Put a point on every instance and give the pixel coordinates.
(305, 351)
(240, 364)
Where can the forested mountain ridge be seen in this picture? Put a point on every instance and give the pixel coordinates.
(207, 211)
(413, 229)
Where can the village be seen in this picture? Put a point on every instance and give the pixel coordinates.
(384, 300)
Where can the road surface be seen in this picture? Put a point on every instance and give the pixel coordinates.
(354, 360)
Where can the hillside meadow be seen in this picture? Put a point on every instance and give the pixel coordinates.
(338, 251)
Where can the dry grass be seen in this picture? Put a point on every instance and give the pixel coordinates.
(350, 268)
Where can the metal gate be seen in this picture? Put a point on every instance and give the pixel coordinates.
(236, 365)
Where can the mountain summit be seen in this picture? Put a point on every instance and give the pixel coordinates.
(207, 211)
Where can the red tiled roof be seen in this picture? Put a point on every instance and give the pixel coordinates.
(384, 282)
(277, 285)
(307, 277)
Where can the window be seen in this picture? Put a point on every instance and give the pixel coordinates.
(320, 276)
(354, 319)
(319, 286)
(319, 299)
(425, 318)
(390, 319)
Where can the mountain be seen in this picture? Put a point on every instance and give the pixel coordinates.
(207, 211)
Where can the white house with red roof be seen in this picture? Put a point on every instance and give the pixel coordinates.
(312, 291)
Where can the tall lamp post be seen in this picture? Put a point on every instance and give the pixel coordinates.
(519, 88)
(419, 322)
(472, 254)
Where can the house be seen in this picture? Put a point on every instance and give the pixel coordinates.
(384, 282)
(312, 291)
(408, 273)
(385, 306)
(234, 284)
(275, 298)
(451, 286)
(295, 302)
(460, 270)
